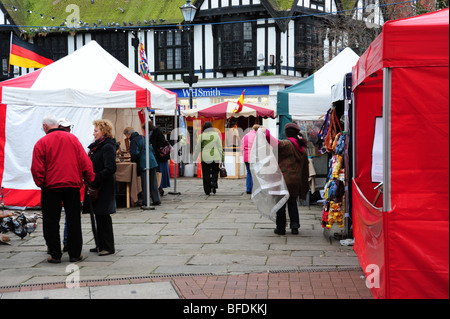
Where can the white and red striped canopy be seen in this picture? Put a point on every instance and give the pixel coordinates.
(77, 87)
(225, 110)
(89, 77)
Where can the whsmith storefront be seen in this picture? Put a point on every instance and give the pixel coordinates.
(261, 90)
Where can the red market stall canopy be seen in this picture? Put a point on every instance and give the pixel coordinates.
(224, 110)
(77, 87)
(401, 96)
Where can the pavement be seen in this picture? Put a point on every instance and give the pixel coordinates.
(193, 246)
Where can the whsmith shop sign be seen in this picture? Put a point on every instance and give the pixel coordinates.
(224, 91)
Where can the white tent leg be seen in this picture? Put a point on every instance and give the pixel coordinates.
(176, 156)
(147, 164)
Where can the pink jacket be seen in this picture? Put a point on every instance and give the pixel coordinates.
(246, 145)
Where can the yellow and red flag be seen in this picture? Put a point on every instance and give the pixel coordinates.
(28, 55)
(240, 103)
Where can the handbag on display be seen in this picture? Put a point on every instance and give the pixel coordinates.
(333, 130)
(223, 171)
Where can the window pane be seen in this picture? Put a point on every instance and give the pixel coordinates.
(169, 59)
(235, 45)
(247, 31)
(177, 38)
(248, 53)
(178, 58)
(227, 32)
(162, 59)
(162, 39)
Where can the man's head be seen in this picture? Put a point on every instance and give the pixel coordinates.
(128, 131)
(49, 122)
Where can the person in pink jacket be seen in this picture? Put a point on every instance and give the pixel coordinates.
(246, 147)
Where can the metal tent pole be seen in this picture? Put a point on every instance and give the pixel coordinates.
(147, 164)
(175, 156)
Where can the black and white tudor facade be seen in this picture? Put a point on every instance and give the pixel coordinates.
(261, 46)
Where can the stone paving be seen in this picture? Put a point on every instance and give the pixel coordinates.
(216, 246)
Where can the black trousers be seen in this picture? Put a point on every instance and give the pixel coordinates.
(210, 174)
(105, 234)
(52, 201)
(293, 215)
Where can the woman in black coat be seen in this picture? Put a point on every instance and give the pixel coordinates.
(103, 155)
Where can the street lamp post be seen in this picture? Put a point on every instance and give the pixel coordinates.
(188, 10)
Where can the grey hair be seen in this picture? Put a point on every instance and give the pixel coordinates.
(50, 120)
(129, 130)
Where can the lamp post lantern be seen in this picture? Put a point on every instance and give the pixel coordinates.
(188, 10)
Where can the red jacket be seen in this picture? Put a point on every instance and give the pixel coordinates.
(59, 160)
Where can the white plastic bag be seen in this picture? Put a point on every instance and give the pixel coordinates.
(269, 188)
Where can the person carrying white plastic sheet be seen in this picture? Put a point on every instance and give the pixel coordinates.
(292, 170)
(269, 188)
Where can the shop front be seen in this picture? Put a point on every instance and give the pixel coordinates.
(258, 91)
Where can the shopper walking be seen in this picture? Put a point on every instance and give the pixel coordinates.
(293, 163)
(158, 141)
(246, 147)
(59, 167)
(135, 144)
(138, 155)
(102, 153)
(209, 144)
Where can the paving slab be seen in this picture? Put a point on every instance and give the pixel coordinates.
(155, 290)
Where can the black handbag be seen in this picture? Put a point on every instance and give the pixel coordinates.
(223, 171)
(165, 150)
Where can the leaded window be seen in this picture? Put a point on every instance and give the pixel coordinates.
(172, 50)
(55, 43)
(235, 44)
(308, 46)
(116, 43)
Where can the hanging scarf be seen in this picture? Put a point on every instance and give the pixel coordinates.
(301, 149)
(94, 146)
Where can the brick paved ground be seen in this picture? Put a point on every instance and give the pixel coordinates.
(290, 285)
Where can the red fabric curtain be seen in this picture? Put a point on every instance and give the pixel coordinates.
(367, 108)
(418, 225)
(369, 239)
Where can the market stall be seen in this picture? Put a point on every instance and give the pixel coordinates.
(310, 99)
(401, 129)
(337, 205)
(77, 87)
(223, 118)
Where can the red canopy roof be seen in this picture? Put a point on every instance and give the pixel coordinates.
(415, 41)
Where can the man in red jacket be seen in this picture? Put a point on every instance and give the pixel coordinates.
(59, 167)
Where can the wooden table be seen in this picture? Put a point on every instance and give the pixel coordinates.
(126, 172)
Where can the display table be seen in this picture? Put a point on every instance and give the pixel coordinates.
(234, 163)
(126, 172)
